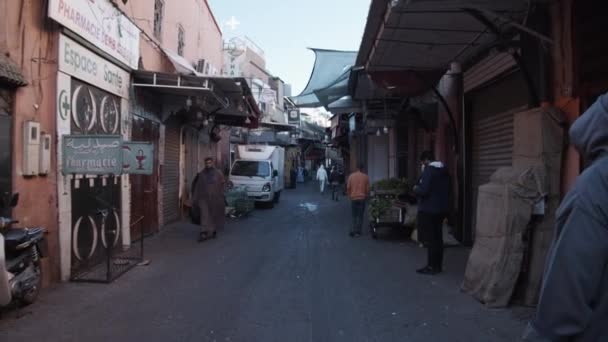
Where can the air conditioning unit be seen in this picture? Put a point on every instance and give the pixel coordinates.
(200, 66)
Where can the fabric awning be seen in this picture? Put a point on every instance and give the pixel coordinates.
(228, 99)
(408, 46)
(329, 78)
(279, 127)
(182, 65)
(345, 105)
(428, 35)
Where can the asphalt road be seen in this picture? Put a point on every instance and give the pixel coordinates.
(290, 273)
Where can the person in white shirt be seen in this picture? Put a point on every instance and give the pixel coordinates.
(322, 177)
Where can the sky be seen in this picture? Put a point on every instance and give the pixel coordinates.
(284, 29)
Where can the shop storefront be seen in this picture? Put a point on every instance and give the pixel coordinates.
(491, 106)
(92, 99)
(145, 126)
(196, 113)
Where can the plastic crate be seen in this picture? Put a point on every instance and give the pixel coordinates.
(235, 194)
(243, 206)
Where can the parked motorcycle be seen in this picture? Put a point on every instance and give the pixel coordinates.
(20, 274)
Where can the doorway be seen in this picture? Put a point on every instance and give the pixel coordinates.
(144, 188)
(6, 165)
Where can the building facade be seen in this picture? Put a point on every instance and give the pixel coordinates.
(148, 72)
(504, 102)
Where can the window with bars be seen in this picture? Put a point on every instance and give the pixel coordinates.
(181, 40)
(159, 8)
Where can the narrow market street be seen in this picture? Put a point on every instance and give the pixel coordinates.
(290, 273)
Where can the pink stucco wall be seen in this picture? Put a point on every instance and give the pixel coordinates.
(30, 39)
(26, 35)
(202, 33)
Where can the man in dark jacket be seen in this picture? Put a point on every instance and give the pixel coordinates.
(573, 302)
(432, 190)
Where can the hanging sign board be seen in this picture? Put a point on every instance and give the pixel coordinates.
(92, 154)
(138, 158)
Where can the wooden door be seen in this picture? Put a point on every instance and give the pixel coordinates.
(144, 188)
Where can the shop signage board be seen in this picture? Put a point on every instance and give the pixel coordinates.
(102, 24)
(138, 158)
(106, 155)
(92, 154)
(294, 117)
(82, 63)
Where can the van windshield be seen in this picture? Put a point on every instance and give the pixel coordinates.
(251, 168)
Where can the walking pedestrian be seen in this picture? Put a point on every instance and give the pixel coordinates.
(573, 303)
(293, 175)
(432, 191)
(208, 197)
(334, 181)
(322, 178)
(357, 188)
(301, 172)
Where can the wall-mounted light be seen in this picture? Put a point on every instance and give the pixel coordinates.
(247, 121)
(206, 123)
(188, 102)
(385, 130)
(378, 132)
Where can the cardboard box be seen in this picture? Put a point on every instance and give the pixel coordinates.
(550, 162)
(537, 131)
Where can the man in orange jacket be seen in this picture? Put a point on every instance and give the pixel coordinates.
(357, 188)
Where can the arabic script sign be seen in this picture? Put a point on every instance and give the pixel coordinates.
(92, 154)
(102, 24)
(138, 158)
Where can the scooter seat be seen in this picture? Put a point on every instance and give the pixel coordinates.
(15, 237)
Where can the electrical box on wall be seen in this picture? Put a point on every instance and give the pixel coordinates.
(31, 148)
(45, 154)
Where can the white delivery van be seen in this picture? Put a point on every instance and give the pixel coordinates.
(260, 169)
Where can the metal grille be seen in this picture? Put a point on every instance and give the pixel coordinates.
(98, 251)
(116, 263)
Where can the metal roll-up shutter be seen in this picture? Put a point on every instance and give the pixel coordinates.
(192, 162)
(170, 175)
(492, 145)
(493, 108)
(487, 70)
